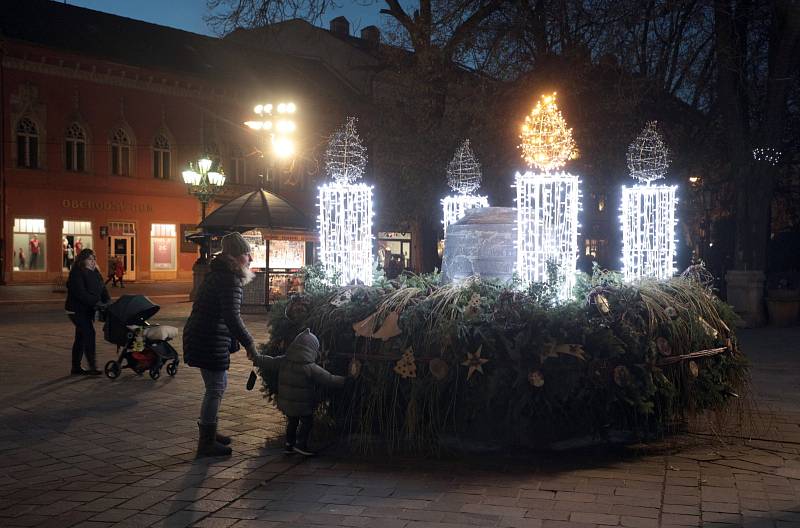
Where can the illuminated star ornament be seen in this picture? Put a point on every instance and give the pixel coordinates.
(548, 202)
(464, 177)
(345, 210)
(648, 211)
(475, 362)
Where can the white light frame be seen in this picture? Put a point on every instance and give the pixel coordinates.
(455, 207)
(345, 228)
(647, 214)
(547, 227)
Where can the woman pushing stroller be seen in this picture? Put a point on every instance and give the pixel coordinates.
(85, 293)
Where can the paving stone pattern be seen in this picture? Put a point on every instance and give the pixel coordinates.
(96, 453)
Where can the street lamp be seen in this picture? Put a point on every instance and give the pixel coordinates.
(276, 121)
(204, 184)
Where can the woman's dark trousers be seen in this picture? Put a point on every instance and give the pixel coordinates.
(295, 436)
(84, 340)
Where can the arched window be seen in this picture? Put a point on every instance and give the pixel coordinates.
(161, 157)
(27, 144)
(120, 153)
(75, 148)
(236, 167)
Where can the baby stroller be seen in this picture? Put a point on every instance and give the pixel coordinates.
(140, 345)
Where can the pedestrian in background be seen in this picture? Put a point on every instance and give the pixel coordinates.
(85, 294)
(119, 272)
(214, 330)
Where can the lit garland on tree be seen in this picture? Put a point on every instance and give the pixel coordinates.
(648, 211)
(345, 210)
(464, 177)
(547, 203)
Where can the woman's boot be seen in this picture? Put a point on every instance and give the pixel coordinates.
(207, 444)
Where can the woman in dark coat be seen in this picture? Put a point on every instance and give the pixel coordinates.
(214, 330)
(85, 292)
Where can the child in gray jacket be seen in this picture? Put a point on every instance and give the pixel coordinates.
(298, 376)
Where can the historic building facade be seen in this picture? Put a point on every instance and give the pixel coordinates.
(101, 114)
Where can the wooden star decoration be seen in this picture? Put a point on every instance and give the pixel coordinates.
(475, 362)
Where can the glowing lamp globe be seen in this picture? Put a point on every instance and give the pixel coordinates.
(547, 142)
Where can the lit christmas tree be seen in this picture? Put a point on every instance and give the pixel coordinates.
(345, 210)
(547, 202)
(464, 177)
(648, 211)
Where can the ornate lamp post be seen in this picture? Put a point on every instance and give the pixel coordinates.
(204, 184)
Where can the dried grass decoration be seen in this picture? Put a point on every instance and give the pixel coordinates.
(405, 366)
(475, 362)
(439, 368)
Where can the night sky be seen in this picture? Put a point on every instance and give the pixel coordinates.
(188, 14)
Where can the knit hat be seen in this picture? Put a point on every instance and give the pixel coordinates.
(306, 340)
(234, 244)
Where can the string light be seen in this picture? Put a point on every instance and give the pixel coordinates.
(345, 210)
(346, 156)
(455, 207)
(547, 143)
(767, 155)
(648, 156)
(547, 228)
(648, 211)
(464, 177)
(547, 203)
(345, 225)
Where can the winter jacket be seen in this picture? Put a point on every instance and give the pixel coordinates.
(85, 289)
(215, 324)
(298, 377)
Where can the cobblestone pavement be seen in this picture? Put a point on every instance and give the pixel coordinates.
(90, 452)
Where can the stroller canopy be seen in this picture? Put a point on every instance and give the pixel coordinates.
(131, 309)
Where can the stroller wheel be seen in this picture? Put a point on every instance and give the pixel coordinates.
(172, 368)
(112, 369)
(155, 373)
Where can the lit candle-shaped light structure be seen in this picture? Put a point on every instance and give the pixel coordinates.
(648, 211)
(464, 177)
(548, 200)
(345, 210)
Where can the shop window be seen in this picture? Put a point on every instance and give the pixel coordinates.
(30, 243)
(163, 246)
(76, 235)
(258, 249)
(120, 153)
(75, 148)
(161, 157)
(27, 144)
(287, 254)
(394, 252)
(594, 247)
